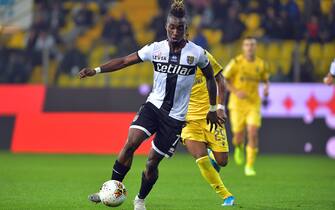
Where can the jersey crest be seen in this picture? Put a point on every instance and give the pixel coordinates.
(190, 59)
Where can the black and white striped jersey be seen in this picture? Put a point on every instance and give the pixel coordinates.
(174, 75)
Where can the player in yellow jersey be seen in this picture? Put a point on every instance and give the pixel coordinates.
(243, 75)
(197, 135)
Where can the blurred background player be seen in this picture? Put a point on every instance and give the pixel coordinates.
(175, 61)
(243, 75)
(197, 135)
(329, 79)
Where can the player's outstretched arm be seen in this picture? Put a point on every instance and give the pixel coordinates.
(111, 66)
(212, 117)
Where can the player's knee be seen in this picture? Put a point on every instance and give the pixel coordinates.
(222, 160)
(253, 136)
(238, 138)
(152, 165)
(135, 139)
(130, 146)
(198, 154)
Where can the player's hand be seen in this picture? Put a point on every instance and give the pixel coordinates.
(265, 102)
(240, 94)
(222, 115)
(328, 80)
(87, 72)
(213, 120)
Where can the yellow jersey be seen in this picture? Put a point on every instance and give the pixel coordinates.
(246, 76)
(199, 100)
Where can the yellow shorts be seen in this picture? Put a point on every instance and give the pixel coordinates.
(198, 130)
(239, 119)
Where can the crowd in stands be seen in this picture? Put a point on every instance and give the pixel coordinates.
(312, 21)
(278, 19)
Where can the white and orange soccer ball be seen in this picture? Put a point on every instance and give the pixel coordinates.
(113, 193)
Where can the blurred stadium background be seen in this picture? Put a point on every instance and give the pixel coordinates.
(45, 108)
(54, 39)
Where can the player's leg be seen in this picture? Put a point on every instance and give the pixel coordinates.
(149, 178)
(163, 145)
(254, 122)
(221, 158)
(217, 144)
(238, 142)
(238, 121)
(123, 163)
(213, 160)
(199, 151)
(150, 174)
(251, 150)
(143, 126)
(196, 143)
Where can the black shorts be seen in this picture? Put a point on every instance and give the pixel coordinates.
(151, 120)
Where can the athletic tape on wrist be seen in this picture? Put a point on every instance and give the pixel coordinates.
(98, 70)
(222, 107)
(212, 108)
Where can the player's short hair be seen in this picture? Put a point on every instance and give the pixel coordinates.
(177, 9)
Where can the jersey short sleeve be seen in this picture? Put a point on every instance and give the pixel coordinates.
(332, 68)
(145, 53)
(203, 59)
(229, 71)
(217, 68)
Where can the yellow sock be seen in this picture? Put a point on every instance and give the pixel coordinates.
(251, 156)
(212, 176)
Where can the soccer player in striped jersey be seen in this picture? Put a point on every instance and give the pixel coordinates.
(175, 61)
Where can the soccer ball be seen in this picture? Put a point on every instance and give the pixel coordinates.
(113, 193)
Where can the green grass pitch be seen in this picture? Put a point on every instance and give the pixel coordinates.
(63, 182)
